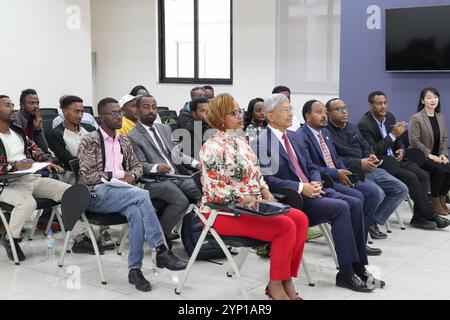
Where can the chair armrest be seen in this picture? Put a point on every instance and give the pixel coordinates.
(327, 181)
(221, 207)
(280, 197)
(148, 178)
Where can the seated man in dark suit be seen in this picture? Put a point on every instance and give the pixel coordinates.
(157, 154)
(380, 129)
(321, 149)
(356, 152)
(285, 163)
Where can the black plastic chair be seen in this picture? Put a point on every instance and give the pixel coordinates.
(89, 217)
(48, 113)
(6, 209)
(160, 108)
(89, 109)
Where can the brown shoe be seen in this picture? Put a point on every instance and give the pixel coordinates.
(443, 203)
(436, 204)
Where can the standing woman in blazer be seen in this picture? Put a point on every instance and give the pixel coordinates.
(428, 132)
(231, 175)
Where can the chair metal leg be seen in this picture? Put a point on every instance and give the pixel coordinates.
(50, 221)
(123, 239)
(119, 240)
(194, 255)
(325, 228)
(10, 237)
(63, 253)
(177, 228)
(231, 260)
(240, 259)
(35, 222)
(94, 244)
(307, 274)
(411, 207)
(400, 220)
(388, 226)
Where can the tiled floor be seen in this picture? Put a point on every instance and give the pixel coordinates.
(415, 265)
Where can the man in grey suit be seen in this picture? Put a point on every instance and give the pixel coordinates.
(155, 150)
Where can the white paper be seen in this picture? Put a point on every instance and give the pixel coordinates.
(36, 167)
(116, 183)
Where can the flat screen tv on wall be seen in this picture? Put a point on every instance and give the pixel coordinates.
(418, 39)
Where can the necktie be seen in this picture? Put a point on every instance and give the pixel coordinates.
(326, 152)
(163, 149)
(294, 161)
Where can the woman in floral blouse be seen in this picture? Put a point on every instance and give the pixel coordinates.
(231, 175)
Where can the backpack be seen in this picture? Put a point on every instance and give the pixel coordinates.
(190, 233)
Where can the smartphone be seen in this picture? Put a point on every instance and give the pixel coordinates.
(378, 163)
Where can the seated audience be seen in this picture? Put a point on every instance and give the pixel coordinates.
(382, 132)
(231, 175)
(197, 92)
(428, 133)
(285, 163)
(128, 105)
(87, 117)
(194, 122)
(30, 120)
(18, 152)
(355, 151)
(287, 92)
(105, 154)
(209, 92)
(320, 146)
(140, 90)
(154, 149)
(256, 120)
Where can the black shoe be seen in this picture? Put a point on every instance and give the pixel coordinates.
(375, 233)
(423, 223)
(172, 236)
(169, 261)
(441, 222)
(85, 246)
(9, 251)
(373, 283)
(353, 283)
(373, 251)
(136, 277)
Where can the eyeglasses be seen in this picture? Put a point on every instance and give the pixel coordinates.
(116, 114)
(236, 113)
(341, 109)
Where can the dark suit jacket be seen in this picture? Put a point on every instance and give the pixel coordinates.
(37, 136)
(315, 151)
(371, 132)
(149, 154)
(421, 133)
(275, 165)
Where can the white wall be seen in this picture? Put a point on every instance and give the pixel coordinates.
(39, 51)
(124, 38)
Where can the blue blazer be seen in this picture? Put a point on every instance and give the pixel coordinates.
(275, 165)
(315, 151)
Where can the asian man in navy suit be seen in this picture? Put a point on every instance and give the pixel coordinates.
(318, 141)
(285, 163)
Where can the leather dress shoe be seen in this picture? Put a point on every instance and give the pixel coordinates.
(373, 251)
(169, 261)
(353, 283)
(172, 236)
(136, 277)
(9, 252)
(441, 222)
(423, 223)
(375, 232)
(374, 282)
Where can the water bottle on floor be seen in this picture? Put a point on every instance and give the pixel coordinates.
(50, 245)
(155, 271)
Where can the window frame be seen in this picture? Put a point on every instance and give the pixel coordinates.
(162, 50)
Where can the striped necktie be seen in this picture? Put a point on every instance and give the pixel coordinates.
(326, 152)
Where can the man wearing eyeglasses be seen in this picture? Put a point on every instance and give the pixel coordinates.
(105, 155)
(356, 152)
(380, 129)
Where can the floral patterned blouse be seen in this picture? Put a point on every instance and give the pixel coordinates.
(230, 171)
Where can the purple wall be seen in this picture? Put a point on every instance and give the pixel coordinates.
(363, 63)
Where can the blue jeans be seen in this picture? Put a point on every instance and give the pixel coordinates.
(134, 204)
(392, 192)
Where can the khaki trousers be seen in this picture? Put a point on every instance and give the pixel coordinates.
(21, 194)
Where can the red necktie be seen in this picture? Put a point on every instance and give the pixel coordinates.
(294, 161)
(326, 152)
